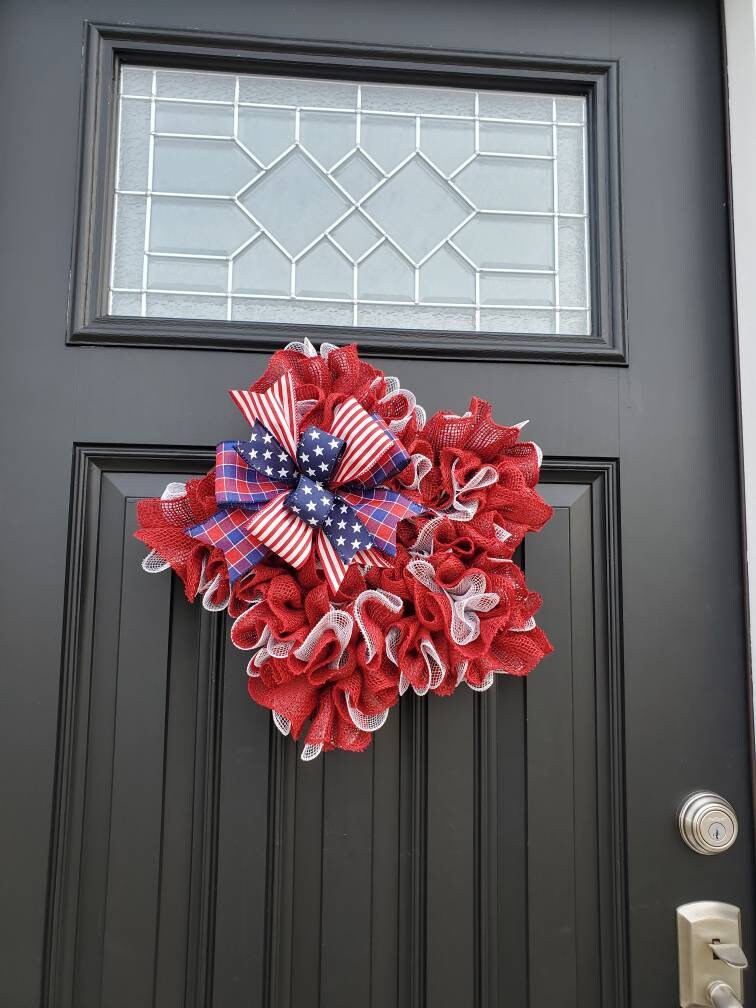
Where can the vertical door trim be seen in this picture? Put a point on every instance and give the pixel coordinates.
(740, 62)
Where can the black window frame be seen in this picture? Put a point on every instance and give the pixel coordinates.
(108, 47)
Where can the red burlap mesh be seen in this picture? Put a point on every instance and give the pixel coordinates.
(162, 528)
(477, 433)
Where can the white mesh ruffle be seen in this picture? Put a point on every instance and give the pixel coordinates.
(153, 563)
(173, 491)
(425, 542)
(307, 348)
(421, 466)
(458, 510)
(366, 722)
(335, 619)
(466, 599)
(392, 602)
(485, 685)
(282, 723)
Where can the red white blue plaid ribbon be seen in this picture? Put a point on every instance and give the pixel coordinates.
(319, 492)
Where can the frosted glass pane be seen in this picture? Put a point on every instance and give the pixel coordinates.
(134, 153)
(415, 317)
(324, 273)
(187, 274)
(517, 289)
(267, 133)
(214, 167)
(188, 84)
(328, 136)
(356, 236)
(447, 277)
(185, 306)
(188, 117)
(357, 175)
(572, 265)
(417, 193)
(492, 241)
(570, 110)
(571, 175)
(262, 269)
(284, 199)
(516, 320)
(417, 100)
(128, 256)
(503, 105)
(502, 183)
(296, 202)
(515, 138)
(305, 312)
(447, 142)
(574, 323)
(136, 81)
(385, 276)
(387, 139)
(125, 303)
(297, 93)
(210, 227)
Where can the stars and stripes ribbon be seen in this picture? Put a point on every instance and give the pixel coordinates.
(289, 495)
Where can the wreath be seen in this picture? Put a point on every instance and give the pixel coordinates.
(361, 549)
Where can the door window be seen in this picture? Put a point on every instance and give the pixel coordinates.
(249, 198)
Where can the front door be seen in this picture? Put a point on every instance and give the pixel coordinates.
(522, 202)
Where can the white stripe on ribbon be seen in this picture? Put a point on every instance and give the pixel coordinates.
(367, 440)
(282, 531)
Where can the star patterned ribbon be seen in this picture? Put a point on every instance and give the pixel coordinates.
(289, 495)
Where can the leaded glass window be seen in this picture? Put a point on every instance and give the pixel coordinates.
(272, 199)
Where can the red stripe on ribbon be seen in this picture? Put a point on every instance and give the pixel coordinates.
(372, 557)
(333, 566)
(242, 399)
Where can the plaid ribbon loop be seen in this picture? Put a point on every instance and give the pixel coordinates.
(278, 491)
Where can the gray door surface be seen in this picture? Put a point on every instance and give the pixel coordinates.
(161, 843)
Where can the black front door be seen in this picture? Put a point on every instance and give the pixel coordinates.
(162, 842)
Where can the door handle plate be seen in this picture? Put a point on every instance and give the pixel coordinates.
(699, 927)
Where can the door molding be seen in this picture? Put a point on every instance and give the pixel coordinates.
(107, 47)
(77, 803)
(105, 477)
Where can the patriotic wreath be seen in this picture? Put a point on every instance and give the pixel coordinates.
(361, 550)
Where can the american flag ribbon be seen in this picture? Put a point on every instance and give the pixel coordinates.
(276, 408)
(291, 495)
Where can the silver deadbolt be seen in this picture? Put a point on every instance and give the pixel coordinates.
(710, 956)
(708, 823)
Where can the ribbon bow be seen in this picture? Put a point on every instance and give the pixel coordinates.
(289, 495)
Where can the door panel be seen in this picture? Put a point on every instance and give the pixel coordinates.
(517, 847)
(202, 859)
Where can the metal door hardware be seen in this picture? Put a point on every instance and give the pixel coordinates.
(708, 823)
(710, 956)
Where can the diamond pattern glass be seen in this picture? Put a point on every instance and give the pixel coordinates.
(253, 198)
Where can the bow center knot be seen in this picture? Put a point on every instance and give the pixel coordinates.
(318, 454)
(311, 500)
